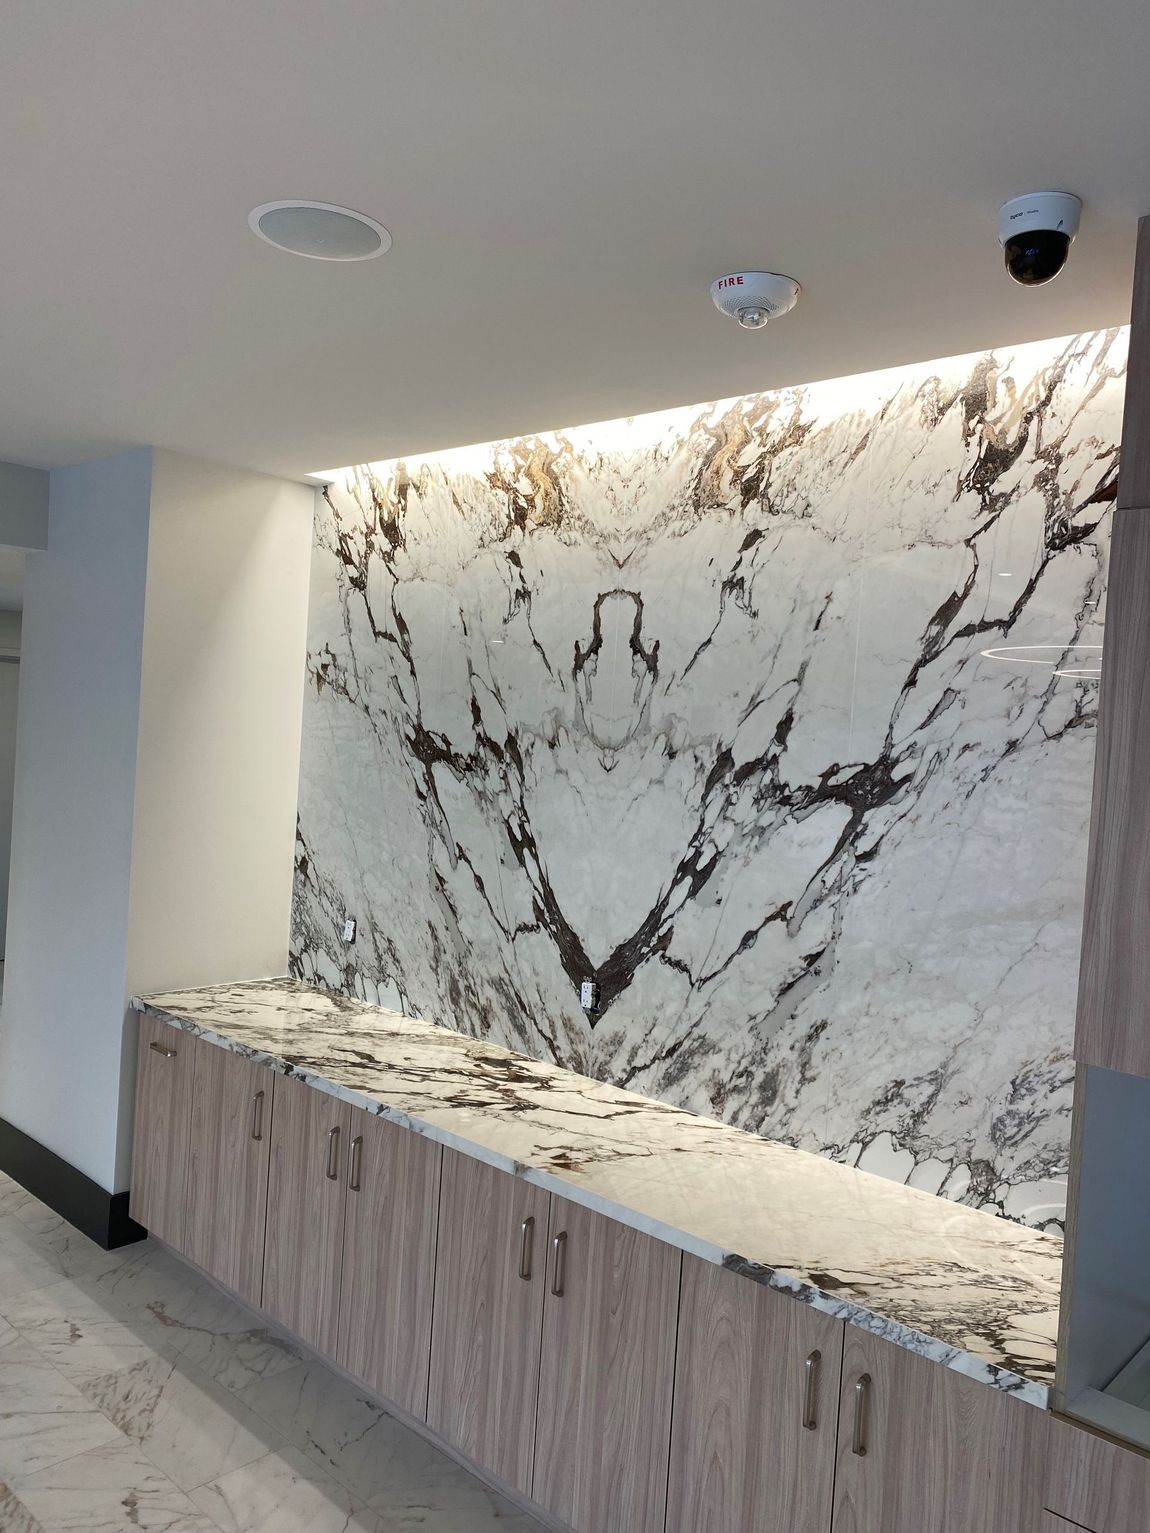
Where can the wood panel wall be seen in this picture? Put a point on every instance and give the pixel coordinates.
(1113, 1028)
(1134, 476)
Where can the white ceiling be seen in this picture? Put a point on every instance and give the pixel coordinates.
(562, 179)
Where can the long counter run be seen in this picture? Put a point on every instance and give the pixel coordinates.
(967, 1289)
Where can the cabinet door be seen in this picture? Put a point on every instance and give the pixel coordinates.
(228, 1182)
(1095, 1482)
(604, 1426)
(924, 1450)
(389, 1259)
(489, 1285)
(756, 1408)
(303, 1255)
(160, 1146)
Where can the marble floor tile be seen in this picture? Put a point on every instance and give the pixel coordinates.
(21, 1274)
(35, 1235)
(230, 1344)
(14, 1515)
(15, 1199)
(329, 1419)
(190, 1427)
(149, 1275)
(285, 1492)
(37, 1215)
(112, 1490)
(459, 1504)
(12, 1196)
(188, 1315)
(27, 1262)
(44, 1419)
(79, 1330)
(384, 1464)
(139, 1396)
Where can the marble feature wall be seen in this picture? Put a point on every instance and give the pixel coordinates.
(696, 705)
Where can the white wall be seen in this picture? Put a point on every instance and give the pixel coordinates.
(225, 644)
(23, 506)
(23, 525)
(62, 1025)
(9, 684)
(165, 633)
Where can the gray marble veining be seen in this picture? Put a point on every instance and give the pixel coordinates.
(977, 1293)
(697, 705)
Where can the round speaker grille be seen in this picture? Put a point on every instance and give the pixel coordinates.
(319, 230)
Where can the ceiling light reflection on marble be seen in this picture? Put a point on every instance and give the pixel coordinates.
(1033, 654)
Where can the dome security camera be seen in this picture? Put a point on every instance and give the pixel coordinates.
(1035, 232)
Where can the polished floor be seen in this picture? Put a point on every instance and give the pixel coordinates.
(134, 1395)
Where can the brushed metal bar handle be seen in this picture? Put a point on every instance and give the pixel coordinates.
(862, 1396)
(158, 1048)
(353, 1180)
(559, 1269)
(526, 1246)
(258, 1115)
(811, 1391)
(333, 1153)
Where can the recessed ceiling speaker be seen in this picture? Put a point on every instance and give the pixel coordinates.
(319, 230)
(754, 297)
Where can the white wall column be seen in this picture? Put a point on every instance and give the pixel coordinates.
(153, 829)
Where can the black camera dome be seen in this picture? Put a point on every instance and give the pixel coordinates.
(1036, 256)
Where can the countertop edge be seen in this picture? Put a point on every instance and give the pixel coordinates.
(1031, 1391)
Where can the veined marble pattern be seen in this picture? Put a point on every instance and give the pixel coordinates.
(976, 1293)
(695, 706)
(134, 1395)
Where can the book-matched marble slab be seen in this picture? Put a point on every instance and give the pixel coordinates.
(972, 1291)
(774, 717)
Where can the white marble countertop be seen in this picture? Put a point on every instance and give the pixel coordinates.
(968, 1289)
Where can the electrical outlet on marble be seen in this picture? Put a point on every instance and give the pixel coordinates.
(589, 996)
(349, 930)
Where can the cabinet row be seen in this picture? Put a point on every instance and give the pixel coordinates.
(621, 1386)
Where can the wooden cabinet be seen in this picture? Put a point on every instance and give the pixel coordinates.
(756, 1409)
(229, 1143)
(158, 1198)
(389, 1259)
(604, 1421)
(489, 1286)
(922, 1449)
(1096, 1483)
(539, 1339)
(303, 1252)
(349, 1257)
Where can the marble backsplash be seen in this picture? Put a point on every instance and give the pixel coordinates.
(696, 705)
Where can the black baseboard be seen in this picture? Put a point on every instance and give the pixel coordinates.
(101, 1215)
